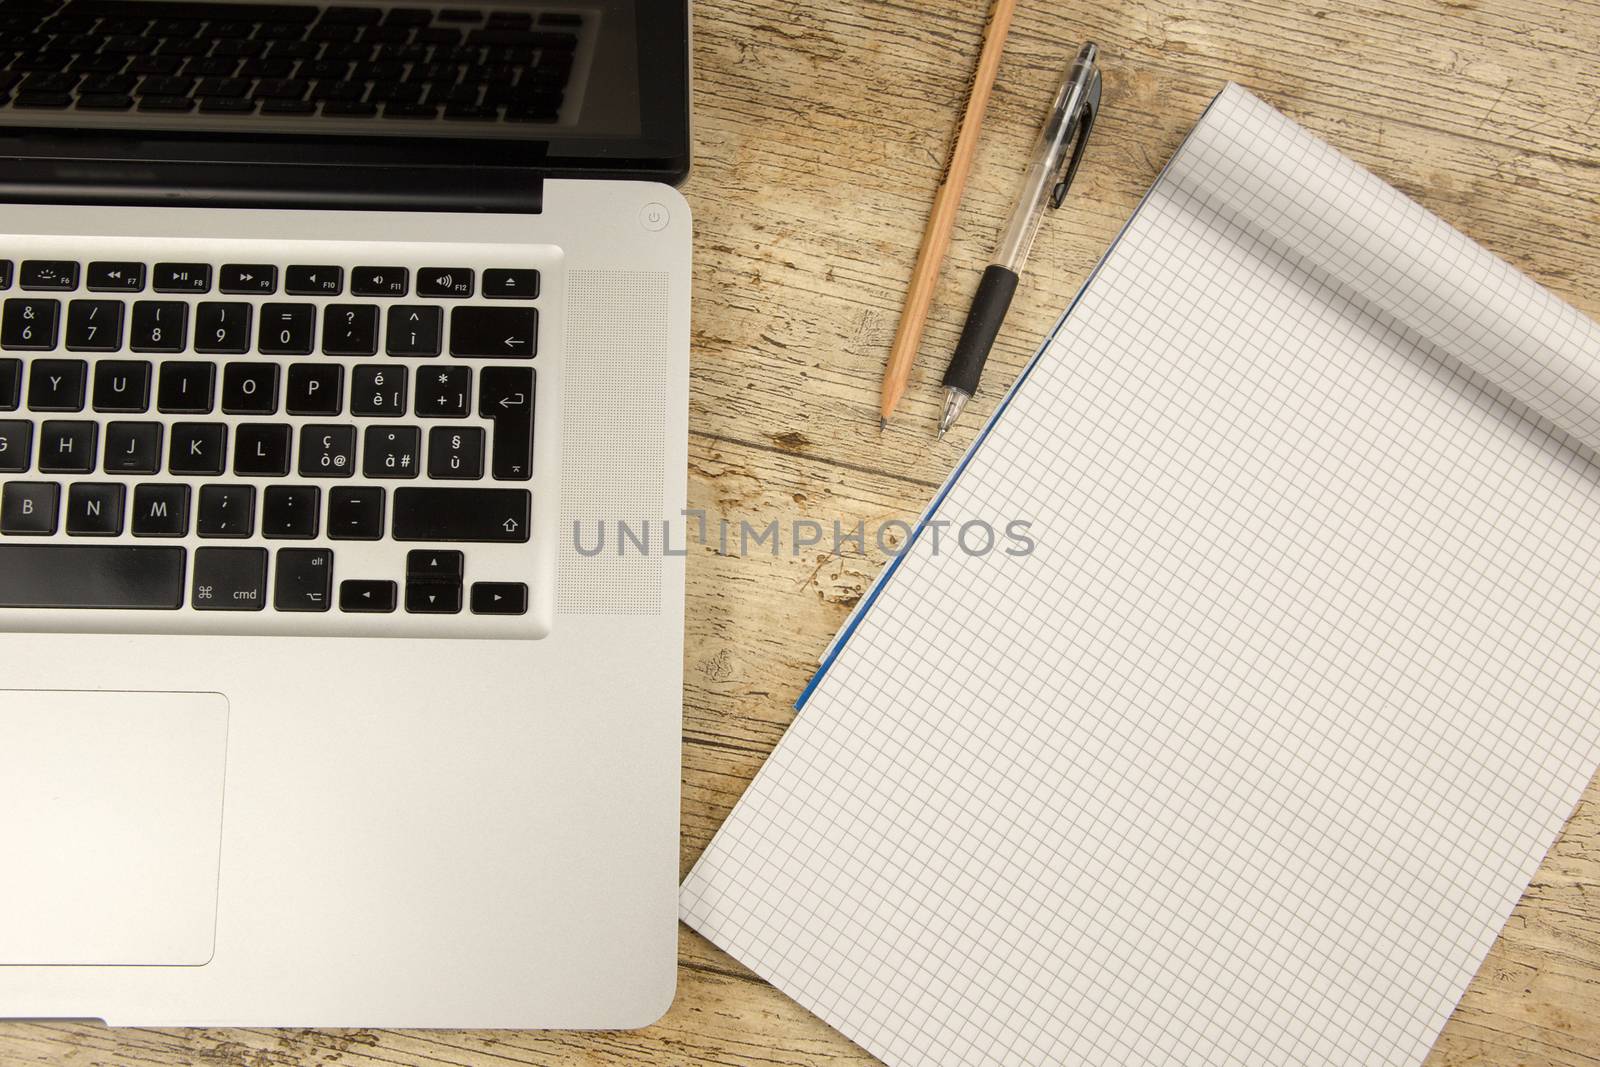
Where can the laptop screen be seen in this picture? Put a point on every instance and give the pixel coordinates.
(566, 87)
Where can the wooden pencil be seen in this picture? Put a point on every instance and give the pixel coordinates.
(936, 237)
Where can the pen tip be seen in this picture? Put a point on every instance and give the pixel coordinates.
(883, 424)
(942, 429)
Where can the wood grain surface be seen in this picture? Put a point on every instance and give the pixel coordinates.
(821, 128)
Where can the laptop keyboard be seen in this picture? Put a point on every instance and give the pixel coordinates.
(279, 443)
(287, 61)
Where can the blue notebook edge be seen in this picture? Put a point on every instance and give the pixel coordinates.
(854, 621)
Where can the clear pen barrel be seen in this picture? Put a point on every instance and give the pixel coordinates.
(1017, 241)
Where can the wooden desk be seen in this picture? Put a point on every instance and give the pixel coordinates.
(820, 131)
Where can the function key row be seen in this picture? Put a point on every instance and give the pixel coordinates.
(261, 279)
(33, 324)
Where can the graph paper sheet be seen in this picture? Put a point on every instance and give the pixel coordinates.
(1249, 760)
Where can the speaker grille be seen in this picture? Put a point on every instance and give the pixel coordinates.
(612, 441)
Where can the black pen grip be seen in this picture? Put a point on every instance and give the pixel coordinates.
(989, 305)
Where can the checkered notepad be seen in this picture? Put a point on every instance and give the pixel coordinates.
(1248, 761)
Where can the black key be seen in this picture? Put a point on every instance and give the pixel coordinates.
(327, 451)
(57, 385)
(350, 330)
(10, 384)
(91, 576)
(5, 274)
(350, 108)
(30, 324)
(186, 388)
(94, 325)
(435, 564)
(198, 448)
(43, 101)
(287, 329)
(508, 284)
(380, 281)
(315, 389)
(314, 281)
(159, 326)
(433, 598)
(291, 512)
(505, 395)
(105, 102)
(67, 447)
(16, 446)
(415, 330)
(122, 386)
(160, 510)
(222, 328)
(226, 511)
(166, 86)
(229, 579)
(181, 278)
(499, 598)
(370, 597)
(287, 107)
(165, 103)
(494, 332)
(94, 509)
(261, 449)
(275, 91)
(253, 279)
(222, 87)
(378, 391)
(455, 452)
(304, 580)
(28, 509)
(355, 513)
(133, 448)
(444, 392)
(445, 281)
(399, 110)
(51, 274)
(392, 452)
(116, 277)
(250, 389)
(452, 514)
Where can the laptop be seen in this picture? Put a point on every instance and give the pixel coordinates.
(338, 346)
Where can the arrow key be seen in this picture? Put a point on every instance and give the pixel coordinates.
(359, 596)
(432, 598)
(499, 598)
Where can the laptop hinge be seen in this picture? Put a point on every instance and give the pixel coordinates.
(270, 185)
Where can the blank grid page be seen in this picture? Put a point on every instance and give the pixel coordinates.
(1248, 761)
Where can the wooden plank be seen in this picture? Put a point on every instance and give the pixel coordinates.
(820, 132)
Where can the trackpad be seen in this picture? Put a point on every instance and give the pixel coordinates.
(110, 826)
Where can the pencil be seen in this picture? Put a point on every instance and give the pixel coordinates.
(936, 238)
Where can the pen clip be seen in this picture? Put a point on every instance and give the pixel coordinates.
(1086, 115)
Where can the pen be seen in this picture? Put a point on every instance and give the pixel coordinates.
(1056, 155)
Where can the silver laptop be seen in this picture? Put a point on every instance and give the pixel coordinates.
(338, 345)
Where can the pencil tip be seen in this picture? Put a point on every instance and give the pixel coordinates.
(883, 424)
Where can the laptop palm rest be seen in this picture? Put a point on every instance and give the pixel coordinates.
(110, 826)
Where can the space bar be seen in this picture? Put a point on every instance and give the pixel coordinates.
(91, 576)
